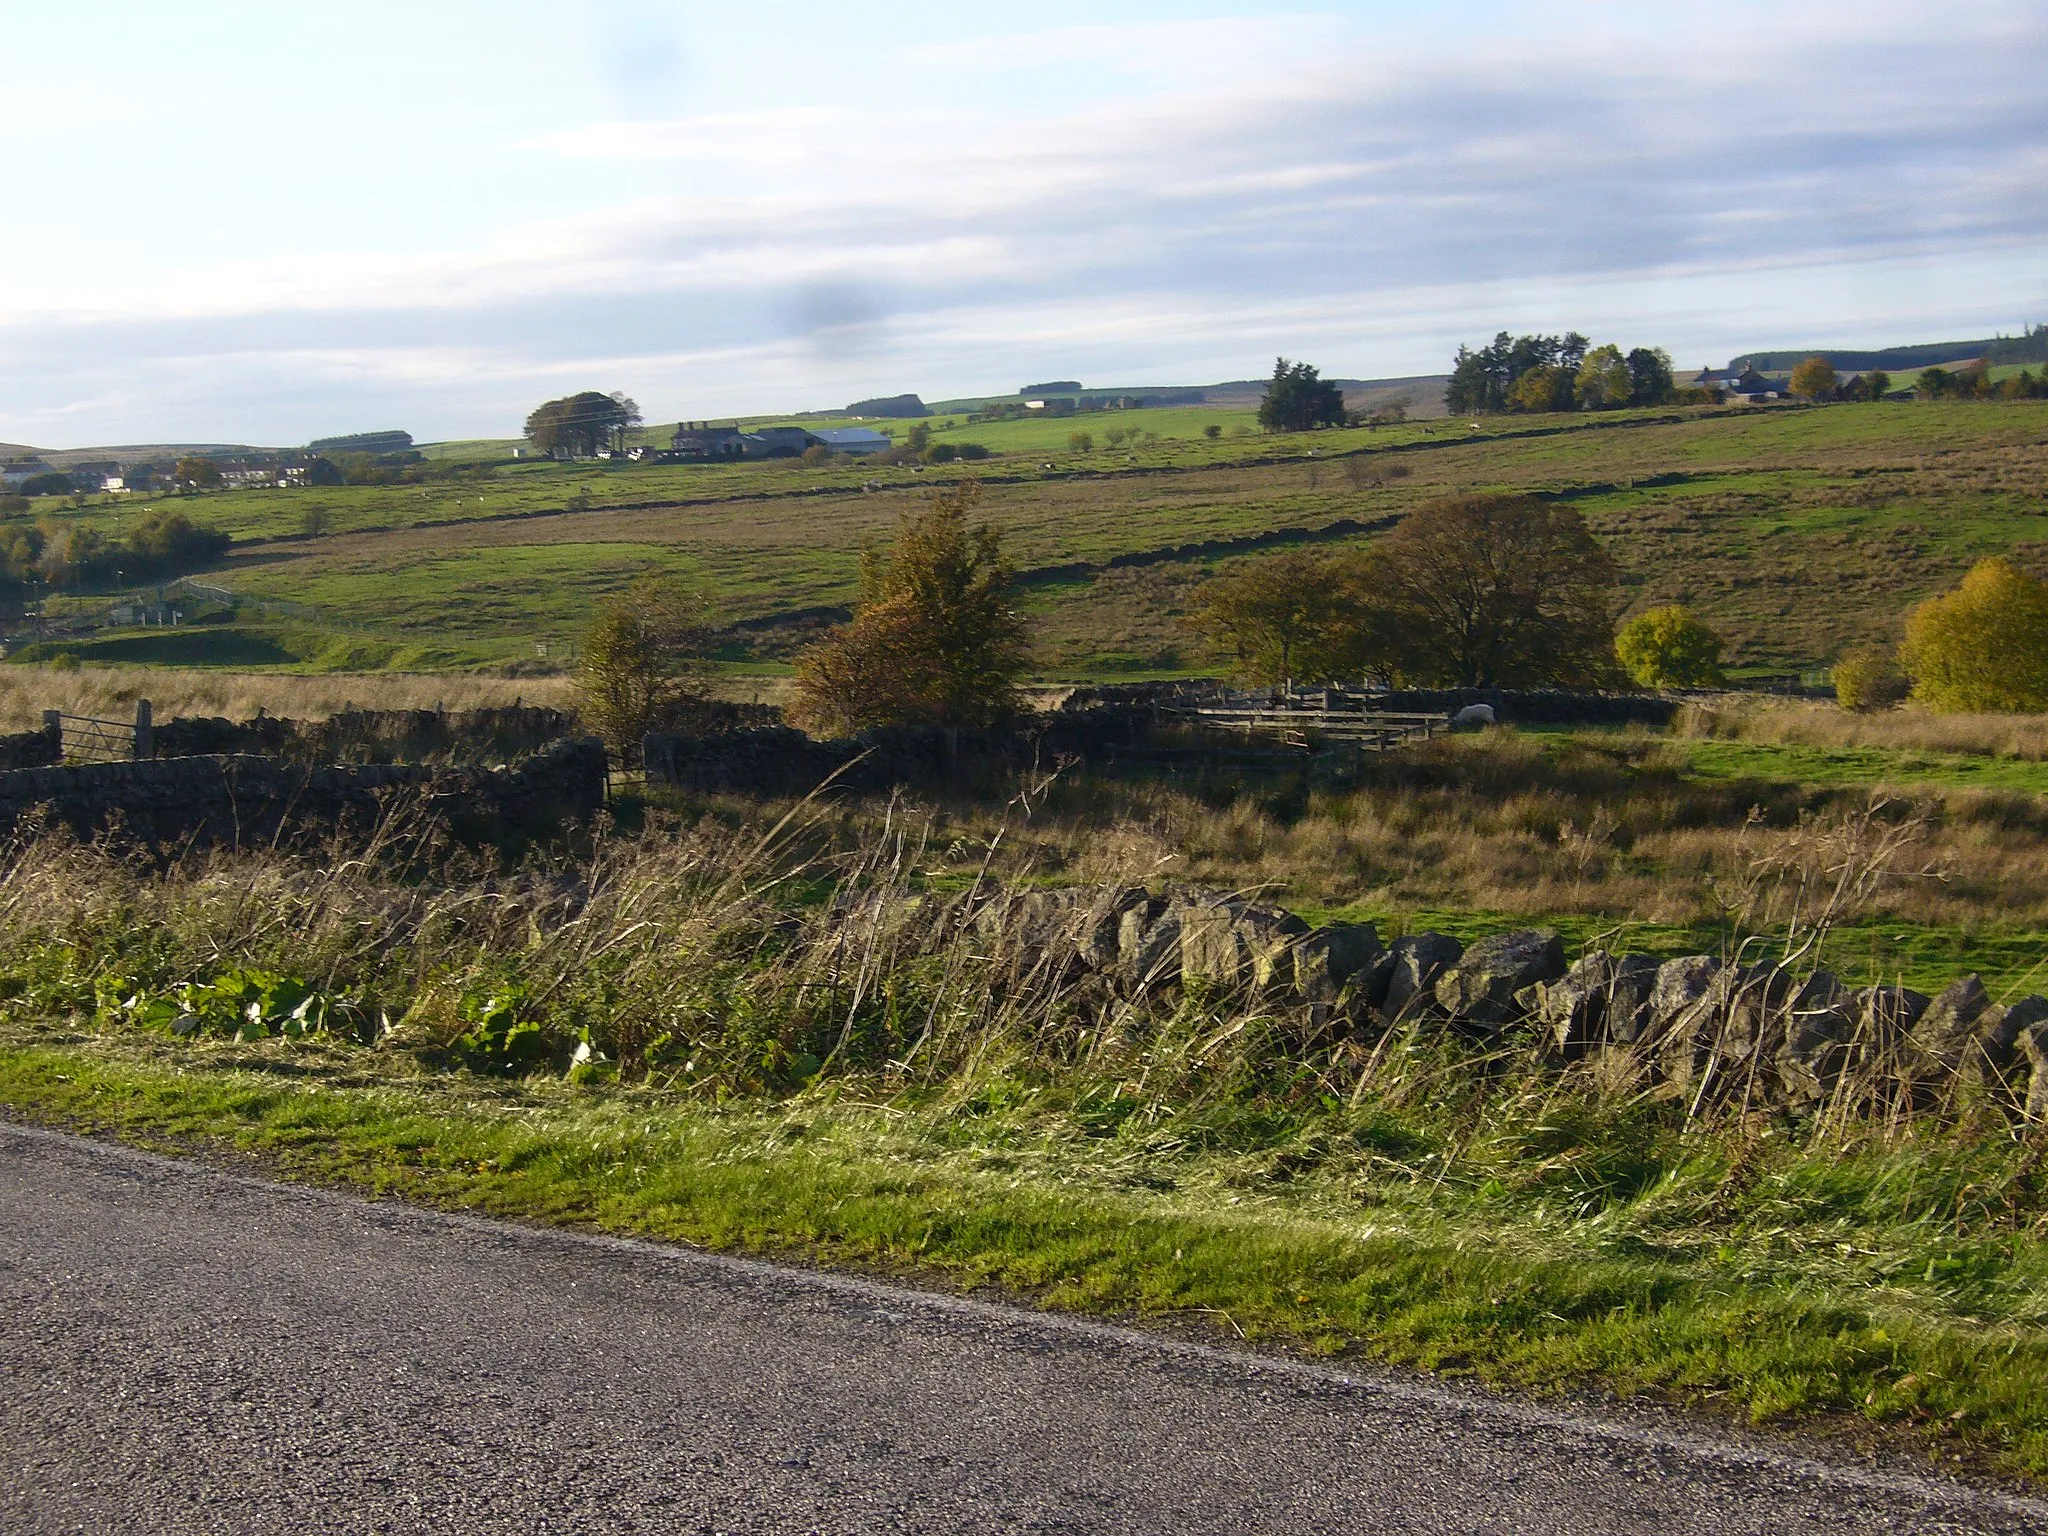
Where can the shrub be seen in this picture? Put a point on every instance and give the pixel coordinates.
(1868, 678)
(642, 667)
(1983, 648)
(936, 640)
(1670, 647)
(1081, 442)
(165, 542)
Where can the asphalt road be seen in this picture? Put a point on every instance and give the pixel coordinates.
(184, 1350)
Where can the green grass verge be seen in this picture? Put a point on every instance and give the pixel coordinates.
(1785, 1287)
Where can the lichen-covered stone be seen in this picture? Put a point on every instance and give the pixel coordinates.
(1417, 960)
(1480, 990)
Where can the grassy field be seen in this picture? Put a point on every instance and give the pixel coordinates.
(1797, 531)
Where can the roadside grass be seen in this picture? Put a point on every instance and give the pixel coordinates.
(788, 1034)
(1893, 1289)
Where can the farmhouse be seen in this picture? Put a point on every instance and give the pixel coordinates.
(18, 471)
(701, 440)
(1742, 386)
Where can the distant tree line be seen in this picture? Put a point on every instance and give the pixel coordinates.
(1556, 373)
(1816, 380)
(164, 543)
(1976, 384)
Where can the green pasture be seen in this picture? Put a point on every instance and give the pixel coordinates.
(522, 592)
(1796, 531)
(1861, 765)
(264, 647)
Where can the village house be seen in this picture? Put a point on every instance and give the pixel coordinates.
(17, 472)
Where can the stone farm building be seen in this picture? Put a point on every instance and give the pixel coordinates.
(705, 443)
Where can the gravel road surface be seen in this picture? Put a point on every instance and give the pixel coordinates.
(185, 1350)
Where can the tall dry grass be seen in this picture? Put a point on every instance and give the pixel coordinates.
(760, 958)
(1801, 723)
(1614, 833)
(1534, 828)
(111, 692)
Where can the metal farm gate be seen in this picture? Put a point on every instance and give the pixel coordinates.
(86, 739)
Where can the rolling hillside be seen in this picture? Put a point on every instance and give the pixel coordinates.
(1797, 531)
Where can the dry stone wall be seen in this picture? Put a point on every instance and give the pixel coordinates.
(371, 736)
(246, 800)
(1699, 1026)
(32, 749)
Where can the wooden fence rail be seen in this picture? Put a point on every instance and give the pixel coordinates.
(1371, 730)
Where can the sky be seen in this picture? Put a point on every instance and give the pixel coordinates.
(240, 222)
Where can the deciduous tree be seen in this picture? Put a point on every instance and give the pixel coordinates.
(1814, 379)
(1670, 647)
(1984, 646)
(1292, 617)
(936, 638)
(1496, 591)
(194, 472)
(642, 667)
(1543, 388)
(1603, 380)
(1649, 372)
(581, 424)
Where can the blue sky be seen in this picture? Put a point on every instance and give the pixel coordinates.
(241, 222)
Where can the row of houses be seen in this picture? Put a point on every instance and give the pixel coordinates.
(100, 475)
(1745, 386)
(110, 477)
(702, 442)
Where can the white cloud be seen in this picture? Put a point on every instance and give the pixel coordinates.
(1367, 202)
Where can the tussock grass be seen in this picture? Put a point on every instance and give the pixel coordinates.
(1789, 723)
(1590, 833)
